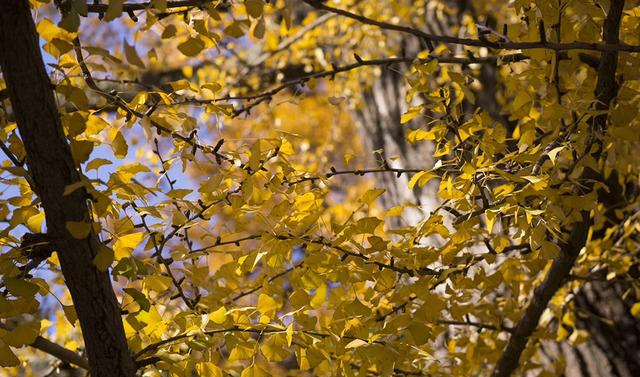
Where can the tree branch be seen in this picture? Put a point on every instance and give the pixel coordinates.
(130, 7)
(120, 103)
(606, 90)
(478, 325)
(504, 45)
(55, 350)
(268, 94)
(154, 346)
(12, 157)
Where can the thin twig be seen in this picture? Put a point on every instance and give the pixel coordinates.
(268, 94)
(120, 103)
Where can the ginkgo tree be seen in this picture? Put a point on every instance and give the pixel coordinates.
(207, 207)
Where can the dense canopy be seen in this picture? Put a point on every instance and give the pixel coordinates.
(211, 188)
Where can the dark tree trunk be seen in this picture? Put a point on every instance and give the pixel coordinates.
(52, 168)
(614, 346)
(613, 349)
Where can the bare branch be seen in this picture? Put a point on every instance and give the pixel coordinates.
(270, 280)
(360, 172)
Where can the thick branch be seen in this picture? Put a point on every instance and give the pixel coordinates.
(53, 169)
(505, 45)
(606, 90)
(55, 350)
(555, 279)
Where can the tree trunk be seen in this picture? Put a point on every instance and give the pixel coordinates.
(614, 346)
(52, 168)
(379, 122)
(613, 350)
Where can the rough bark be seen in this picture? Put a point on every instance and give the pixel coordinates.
(52, 168)
(603, 307)
(555, 279)
(614, 347)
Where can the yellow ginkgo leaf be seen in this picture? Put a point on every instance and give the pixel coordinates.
(371, 195)
(191, 47)
(96, 163)
(242, 351)
(267, 305)
(289, 334)
(104, 258)
(50, 31)
(70, 313)
(259, 29)
(34, 223)
(356, 343)
(319, 297)
(125, 245)
(114, 10)
(219, 316)
(275, 348)
(208, 369)
(79, 229)
(160, 5)
(254, 7)
(7, 357)
(118, 143)
(237, 29)
(169, 31)
(421, 179)
(253, 371)
(20, 287)
(132, 55)
(22, 335)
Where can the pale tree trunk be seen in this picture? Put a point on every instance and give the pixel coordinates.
(379, 122)
(613, 350)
